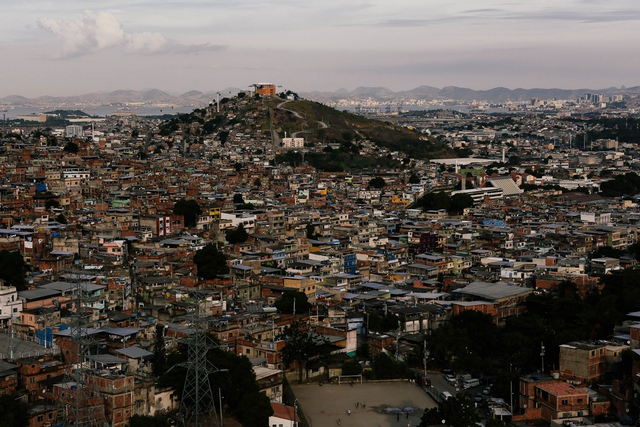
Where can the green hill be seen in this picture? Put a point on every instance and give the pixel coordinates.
(334, 140)
(347, 127)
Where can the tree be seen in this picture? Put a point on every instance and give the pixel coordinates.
(257, 183)
(12, 269)
(61, 219)
(311, 231)
(459, 202)
(160, 351)
(210, 262)
(189, 209)
(239, 235)
(14, 412)
(377, 182)
(254, 409)
(236, 381)
(286, 303)
(351, 367)
(238, 199)
(435, 201)
(301, 345)
(51, 203)
(71, 147)
(384, 368)
(513, 160)
(158, 420)
(414, 179)
(458, 411)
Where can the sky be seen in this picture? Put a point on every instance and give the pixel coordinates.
(73, 47)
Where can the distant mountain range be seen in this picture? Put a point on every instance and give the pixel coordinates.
(498, 94)
(150, 97)
(381, 94)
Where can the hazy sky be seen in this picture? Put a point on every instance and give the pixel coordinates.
(70, 47)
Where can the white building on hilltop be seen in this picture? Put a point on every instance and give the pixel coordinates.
(292, 142)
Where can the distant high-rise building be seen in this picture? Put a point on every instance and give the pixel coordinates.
(74, 131)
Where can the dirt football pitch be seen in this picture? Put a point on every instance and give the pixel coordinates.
(386, 404)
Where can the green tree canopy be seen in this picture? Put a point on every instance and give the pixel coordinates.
(301, 345)
(12, 268)
(157, 420)
(51, 203)
(71, 147)
(159, 351)
(210, 262)
(460, 202)
(238, 199)
(285, 303)
(458, 411)
(237, 235)
(189, 209)
(61, 219)
(14, 412)
(254, 409)
(235, 379)
(377, 182)
(414, 179)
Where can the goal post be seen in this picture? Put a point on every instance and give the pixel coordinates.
(349, 378)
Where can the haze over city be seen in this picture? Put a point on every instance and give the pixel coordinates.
(70, 47)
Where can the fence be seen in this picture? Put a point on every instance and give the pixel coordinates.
(290, 399)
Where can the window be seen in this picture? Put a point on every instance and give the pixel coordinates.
(579, 400)
(40, 418)
(50, 415)
(565, 402)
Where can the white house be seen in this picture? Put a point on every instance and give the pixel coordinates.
(10, 305)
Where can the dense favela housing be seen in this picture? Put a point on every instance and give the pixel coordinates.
(265, 241)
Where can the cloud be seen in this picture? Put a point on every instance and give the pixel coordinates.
(95, 32)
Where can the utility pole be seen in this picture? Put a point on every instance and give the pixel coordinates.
(426, 356)
(542, 356)
(510, 389)
(220, 398)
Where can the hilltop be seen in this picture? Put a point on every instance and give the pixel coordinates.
(321, 124)
(334, 140)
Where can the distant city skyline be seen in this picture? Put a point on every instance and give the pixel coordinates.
(72, 47)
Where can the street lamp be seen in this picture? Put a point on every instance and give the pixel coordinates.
(542, 356)
(295, 412)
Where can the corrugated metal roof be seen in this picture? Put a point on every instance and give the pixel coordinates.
(134, 352)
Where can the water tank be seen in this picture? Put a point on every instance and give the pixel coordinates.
(556, 375)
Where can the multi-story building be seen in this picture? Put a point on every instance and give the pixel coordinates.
(10, 305)
(582, 361)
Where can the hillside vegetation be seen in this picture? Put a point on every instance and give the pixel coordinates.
(343, 126)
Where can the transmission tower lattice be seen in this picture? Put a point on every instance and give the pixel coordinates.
(83, 405)
(197, 404)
